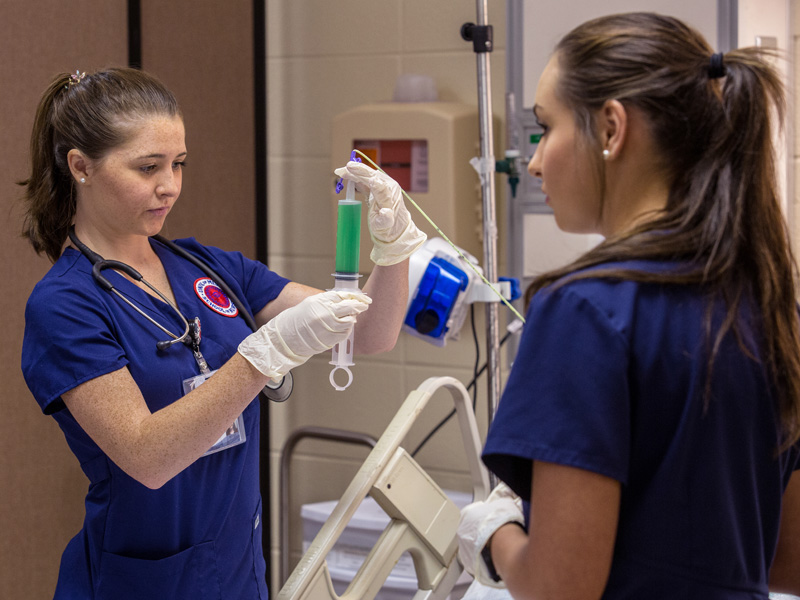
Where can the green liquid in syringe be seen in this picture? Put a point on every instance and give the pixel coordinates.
(348, 236)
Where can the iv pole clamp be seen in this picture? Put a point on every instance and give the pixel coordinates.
(480, 35)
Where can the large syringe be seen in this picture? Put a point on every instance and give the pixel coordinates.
(348, 243)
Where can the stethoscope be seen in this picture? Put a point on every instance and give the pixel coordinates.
(277, 391)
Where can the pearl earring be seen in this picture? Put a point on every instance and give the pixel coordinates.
(606, 154)
(83, 179)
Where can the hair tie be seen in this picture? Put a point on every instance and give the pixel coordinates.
(716, 66)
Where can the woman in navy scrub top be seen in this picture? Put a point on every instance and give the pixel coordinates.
(173, 509)
(651, 418)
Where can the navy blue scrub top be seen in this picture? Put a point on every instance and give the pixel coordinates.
(198, 536)
(610, 378)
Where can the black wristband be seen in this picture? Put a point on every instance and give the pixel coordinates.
(486, 555)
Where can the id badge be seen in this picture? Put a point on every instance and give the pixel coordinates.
(234, 435)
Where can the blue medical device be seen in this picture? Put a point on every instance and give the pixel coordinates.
(441, 288)
(438, 291)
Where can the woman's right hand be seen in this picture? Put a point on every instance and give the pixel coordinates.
(394, 235)
(314, 325)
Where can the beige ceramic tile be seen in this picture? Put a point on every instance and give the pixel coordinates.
(301, 219)
(456, 77)
(365, 407)
(305, 94)
(454, 354)
(277, 263)
(309, 271)
(319, 28)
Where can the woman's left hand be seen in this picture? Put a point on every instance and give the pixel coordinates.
(478, 523)
(394, 235)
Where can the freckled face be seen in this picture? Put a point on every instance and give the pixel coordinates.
(132, 189)
(562, 160)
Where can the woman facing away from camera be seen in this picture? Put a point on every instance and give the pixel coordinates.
(651, 419)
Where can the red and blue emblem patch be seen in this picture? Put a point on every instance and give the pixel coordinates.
(213, 297)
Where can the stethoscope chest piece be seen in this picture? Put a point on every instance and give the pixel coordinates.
(279, 391)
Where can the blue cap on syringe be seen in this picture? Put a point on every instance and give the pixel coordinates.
(340, 183)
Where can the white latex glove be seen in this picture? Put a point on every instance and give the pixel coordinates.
(312, 326)
(479, 521)
(394, 235)
(478, 591)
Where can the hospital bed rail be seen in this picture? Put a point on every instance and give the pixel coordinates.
(423, 520)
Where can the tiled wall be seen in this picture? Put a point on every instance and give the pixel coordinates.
(325, 58)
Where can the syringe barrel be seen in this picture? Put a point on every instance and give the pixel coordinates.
(348, 234)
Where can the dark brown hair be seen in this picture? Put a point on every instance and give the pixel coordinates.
(723, 220)
(92, 114)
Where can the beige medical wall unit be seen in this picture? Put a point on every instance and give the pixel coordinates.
(426, 147)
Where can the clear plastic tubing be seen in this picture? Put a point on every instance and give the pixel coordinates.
(348, 245)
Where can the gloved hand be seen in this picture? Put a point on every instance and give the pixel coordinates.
(479, 521)
(394, 235)
(312, 326)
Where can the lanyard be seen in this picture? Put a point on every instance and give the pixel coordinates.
(194, 345)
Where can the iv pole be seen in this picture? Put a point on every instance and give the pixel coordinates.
(480, 35)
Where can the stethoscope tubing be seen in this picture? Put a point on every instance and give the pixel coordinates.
(99, 264)
(160, 345)
(209, 272)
